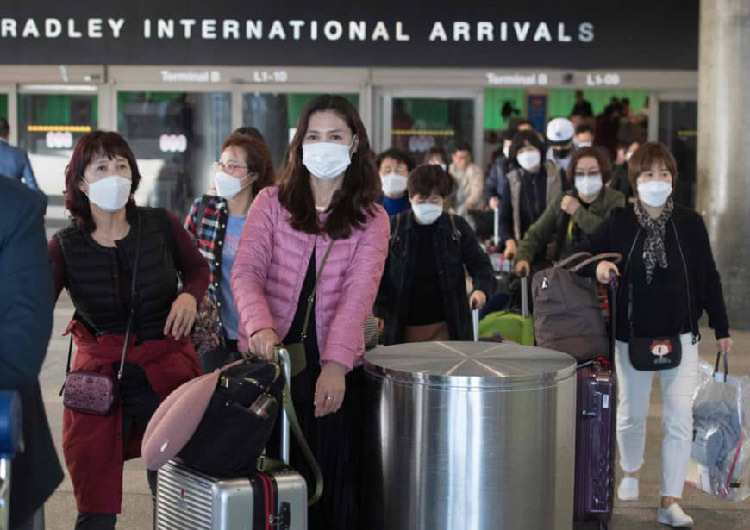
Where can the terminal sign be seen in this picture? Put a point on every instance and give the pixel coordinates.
(277, 76)
(518, 79)
(603, 79)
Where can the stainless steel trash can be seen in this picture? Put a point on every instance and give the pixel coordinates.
(469, 436)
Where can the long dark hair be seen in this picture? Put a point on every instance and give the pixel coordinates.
(354, 201)
(111, 145)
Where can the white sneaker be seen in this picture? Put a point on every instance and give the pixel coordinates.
(628, 490)
(674, 517)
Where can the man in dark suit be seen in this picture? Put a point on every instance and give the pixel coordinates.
(14, 162)
(26, 303)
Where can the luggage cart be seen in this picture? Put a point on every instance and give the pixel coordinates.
(10, 443)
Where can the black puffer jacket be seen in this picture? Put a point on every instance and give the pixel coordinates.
(454, 248)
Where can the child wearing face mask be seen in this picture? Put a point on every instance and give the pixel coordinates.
(216, 222)
(528, 188)
(422, 295)
(394, 166)
(571, 214)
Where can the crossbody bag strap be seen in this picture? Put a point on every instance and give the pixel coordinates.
(696, 334)
(311, 298)
(131, 316)
(455, 234)
(67, 366)
(303, 445)
(629, 284)
(394, 234)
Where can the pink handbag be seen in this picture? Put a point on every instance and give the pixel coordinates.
(93, 392)
(90, 392)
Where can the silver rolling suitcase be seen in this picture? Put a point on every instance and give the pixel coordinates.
(190, 500)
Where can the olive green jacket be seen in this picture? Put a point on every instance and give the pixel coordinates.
(548, 229)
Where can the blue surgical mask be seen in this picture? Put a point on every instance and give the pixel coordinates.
(426, 212)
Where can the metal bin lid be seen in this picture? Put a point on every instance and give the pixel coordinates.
(471, 364)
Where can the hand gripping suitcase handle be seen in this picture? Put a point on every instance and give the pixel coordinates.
(289, 420)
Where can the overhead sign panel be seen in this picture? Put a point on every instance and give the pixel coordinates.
(473, 33)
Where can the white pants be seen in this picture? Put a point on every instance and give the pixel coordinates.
(677, 388)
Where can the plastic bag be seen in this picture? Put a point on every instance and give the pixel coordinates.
(720, 453)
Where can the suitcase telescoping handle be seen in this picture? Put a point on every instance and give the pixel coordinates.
(524, 295)
(612, 316)
(496, 232)
(475, 323)
(286, 365)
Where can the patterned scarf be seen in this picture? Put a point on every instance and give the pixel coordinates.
(654, 251)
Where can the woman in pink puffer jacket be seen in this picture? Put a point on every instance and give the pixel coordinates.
(325, 207)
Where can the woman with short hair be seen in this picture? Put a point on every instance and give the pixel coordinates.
(668, 278)
(422, 295)
(572, 214)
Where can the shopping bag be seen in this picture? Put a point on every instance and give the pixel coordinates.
(720, 452)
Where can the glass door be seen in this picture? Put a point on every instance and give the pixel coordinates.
(419, 121)
(49, 125)
(275, 115)
(176, 137)
(4, 106)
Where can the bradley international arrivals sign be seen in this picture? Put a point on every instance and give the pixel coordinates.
(419, 33)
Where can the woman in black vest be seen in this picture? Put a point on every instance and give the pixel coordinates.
(94, 259)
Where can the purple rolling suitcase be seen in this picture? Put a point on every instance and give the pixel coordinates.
(595, 434)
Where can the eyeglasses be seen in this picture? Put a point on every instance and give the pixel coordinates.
(230, 168)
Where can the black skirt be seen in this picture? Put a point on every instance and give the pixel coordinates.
(336, 439)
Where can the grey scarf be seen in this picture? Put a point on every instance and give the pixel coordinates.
(654, 251)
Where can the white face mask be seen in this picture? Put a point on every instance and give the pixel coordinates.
(529, 159)
(627, 156)
(226, 185)
(654, 193)
(583, 144)
(506, 151)
(394, 184)
(110, 193)
(426, 212)
(444, 167)
(589, 185)
(325, 160)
